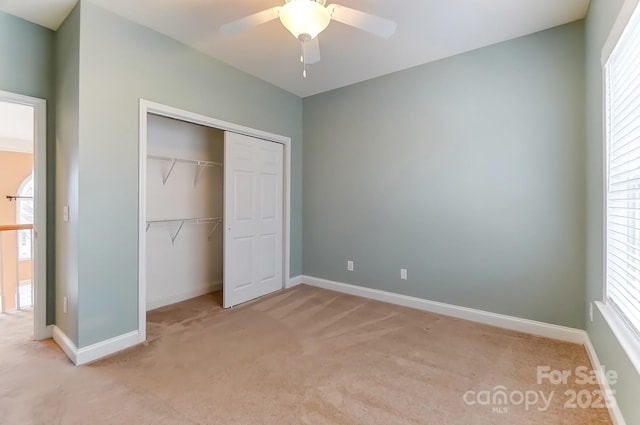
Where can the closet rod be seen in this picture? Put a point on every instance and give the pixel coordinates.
(206, 220)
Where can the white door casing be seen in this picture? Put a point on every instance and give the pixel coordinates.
(253, 184)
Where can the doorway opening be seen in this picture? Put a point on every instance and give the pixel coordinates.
(23, 217)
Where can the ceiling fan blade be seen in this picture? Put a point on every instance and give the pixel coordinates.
(247, 22)
(312, 51)
(379, 26)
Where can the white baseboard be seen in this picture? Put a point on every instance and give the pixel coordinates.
(614, 411)
(547, 330)
(66, 344)
(80, 356)
(183, 296)
(294, 281)
(107, 347)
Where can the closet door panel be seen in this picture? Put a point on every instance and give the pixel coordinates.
(268, 248)
(269, 199)
(253, 212)
(243, 188)
(243, 246)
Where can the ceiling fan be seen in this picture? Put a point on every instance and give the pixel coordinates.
(305, 19)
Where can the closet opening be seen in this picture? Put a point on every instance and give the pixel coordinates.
(184, 201)
(214, 214)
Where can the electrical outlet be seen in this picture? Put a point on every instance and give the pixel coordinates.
(65, 213)
(65, 305)
(403, 274)
(350, 265)
(591, 312)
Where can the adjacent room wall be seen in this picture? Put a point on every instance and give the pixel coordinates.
(121, 62)
(468, 172)
(15, 167)
(27, 58)
(602, 15)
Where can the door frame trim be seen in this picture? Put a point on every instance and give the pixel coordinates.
(150, 107)
(39, 267)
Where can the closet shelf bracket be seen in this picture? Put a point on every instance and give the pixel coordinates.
(171, 167)
(177, 232)
(199, 171)
(214, 229)
(173, 234)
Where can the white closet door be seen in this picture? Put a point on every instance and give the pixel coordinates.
(253, 186)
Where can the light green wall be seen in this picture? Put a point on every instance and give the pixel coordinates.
(26, 55)
(602, 14)
(467, 171)
(27, 68)
(67, 141)
(121, 62)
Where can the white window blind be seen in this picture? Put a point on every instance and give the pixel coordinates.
(622, 78)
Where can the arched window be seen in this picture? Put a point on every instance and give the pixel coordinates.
(24, 212)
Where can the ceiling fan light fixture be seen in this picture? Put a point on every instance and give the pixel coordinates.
(304, 18)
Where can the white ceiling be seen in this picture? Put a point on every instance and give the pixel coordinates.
(48, 13)
(427, 30)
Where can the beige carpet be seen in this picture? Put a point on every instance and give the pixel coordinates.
(301, 356)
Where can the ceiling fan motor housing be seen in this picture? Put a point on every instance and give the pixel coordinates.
(305, 19)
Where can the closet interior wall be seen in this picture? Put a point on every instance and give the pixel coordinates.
(184, 210)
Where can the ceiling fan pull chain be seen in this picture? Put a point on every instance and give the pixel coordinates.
(303, 58)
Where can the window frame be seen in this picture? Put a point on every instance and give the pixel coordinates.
(628, 337)
(20, 202)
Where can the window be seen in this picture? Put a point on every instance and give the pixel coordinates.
(622, 105)
(24, 212)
